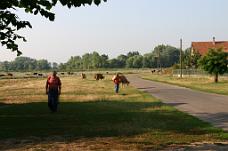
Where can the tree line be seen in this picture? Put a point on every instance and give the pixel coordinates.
(26, 64)
(161, 57)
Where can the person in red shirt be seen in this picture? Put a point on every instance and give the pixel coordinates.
(53, 90)
(116, 80)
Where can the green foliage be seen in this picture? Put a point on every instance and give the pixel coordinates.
(195, 60)
(215, 62)
(25, 64)
(55, 66)
(87, 61)
(10, 22)
(166, 55)
(122, 60)
(149, 61)
(114, 63)
(187, 58)
(132, 54)
(135, 61)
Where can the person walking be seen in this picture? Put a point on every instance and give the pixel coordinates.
(116, 80)
(53, 90)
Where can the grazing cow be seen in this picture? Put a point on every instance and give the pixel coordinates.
(83, 75)
(124, 80)
(10, 74)
(62, 73)
(99, 76)
(35, 73)
(153, 71)
(40, 74)
(2, 75)
(70, 73)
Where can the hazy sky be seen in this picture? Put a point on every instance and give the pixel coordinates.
(119, 26)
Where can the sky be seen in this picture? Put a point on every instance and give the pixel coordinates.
(119, 26)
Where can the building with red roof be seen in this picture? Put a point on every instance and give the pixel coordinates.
(203, 47)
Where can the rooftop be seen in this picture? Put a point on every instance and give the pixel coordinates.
(203, 47)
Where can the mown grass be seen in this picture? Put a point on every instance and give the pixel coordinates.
(92, 117)
(198, 83)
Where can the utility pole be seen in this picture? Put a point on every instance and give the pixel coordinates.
(159, 59)
(181, 62)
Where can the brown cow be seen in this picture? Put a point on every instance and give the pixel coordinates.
(2, 75)
(124, 80)
(99, 76)
(83, 75)
(70, 73)
(153, 71)
(10, 74)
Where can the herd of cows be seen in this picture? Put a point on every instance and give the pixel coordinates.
(7, 74)
(97, 76)
(27, 74)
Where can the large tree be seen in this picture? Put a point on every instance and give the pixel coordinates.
(215, 62)
(166, 55)
(10, 22)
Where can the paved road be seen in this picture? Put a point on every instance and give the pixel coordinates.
(209, 107)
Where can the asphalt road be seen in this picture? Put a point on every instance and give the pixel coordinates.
(209, 107)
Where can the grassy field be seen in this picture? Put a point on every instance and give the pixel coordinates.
(198, 83)
(92, 117)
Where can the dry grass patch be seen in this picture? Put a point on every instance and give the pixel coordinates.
(92, 117)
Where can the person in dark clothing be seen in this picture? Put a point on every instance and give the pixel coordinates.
(53, 90)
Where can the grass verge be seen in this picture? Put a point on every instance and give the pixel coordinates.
(198, 83)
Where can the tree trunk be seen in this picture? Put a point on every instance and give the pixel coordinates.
(216, 78)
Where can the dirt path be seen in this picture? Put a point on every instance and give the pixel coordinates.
(209, 107)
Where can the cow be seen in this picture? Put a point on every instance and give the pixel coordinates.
(70, 73)
(98, 76)
(2, 75)
(35, 73)
(83, 75)
(10, 74)
(124, 80)
(153, 71)
(62, 73)
(40, 74)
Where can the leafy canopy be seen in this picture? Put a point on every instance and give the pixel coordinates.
(10, 22)
(215, 61)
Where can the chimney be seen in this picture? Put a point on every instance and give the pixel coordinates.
(213, 40)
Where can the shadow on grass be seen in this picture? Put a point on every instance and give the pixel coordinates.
(144, 88)
(175, 104)
(3, 104)
(95, 119)
(218, 119)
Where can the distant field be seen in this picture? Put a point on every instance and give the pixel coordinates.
(35, 74)
(199, 83)
(92, 117)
